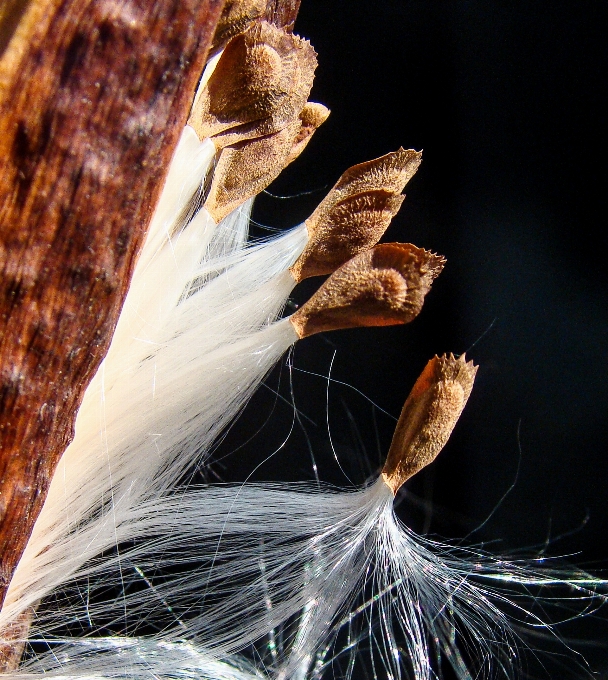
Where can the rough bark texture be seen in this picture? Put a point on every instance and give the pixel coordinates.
(93, 97)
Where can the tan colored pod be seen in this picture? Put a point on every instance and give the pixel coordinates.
(259, 86)
(245, 169)
(356, 212)
(353, 225)
(383, 286)
(428, 417)
(390, 172)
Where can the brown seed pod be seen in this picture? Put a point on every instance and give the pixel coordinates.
(93, 98)
(351, 226)
(356, 212)
(428, 417)
(390, 172)
(259, 86)
(383, 286)
(246, 168)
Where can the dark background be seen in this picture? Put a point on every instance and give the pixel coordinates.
(508, 102)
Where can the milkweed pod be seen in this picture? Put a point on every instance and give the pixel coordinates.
(248, 167)
(353, 225)
(356, 212)
(383, 286)
(245, 169)
(428, 417)
(259, 86)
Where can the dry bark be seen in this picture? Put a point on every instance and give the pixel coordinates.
(93, 97)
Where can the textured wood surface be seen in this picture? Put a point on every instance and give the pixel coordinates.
(93, 97)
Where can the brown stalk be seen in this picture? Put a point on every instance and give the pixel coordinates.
(93, 97)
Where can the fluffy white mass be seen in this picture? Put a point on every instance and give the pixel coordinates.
(290, 582)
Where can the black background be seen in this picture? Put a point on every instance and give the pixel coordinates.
(508, 102)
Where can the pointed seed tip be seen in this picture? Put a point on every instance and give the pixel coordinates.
(410, 153)
(456, 360)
